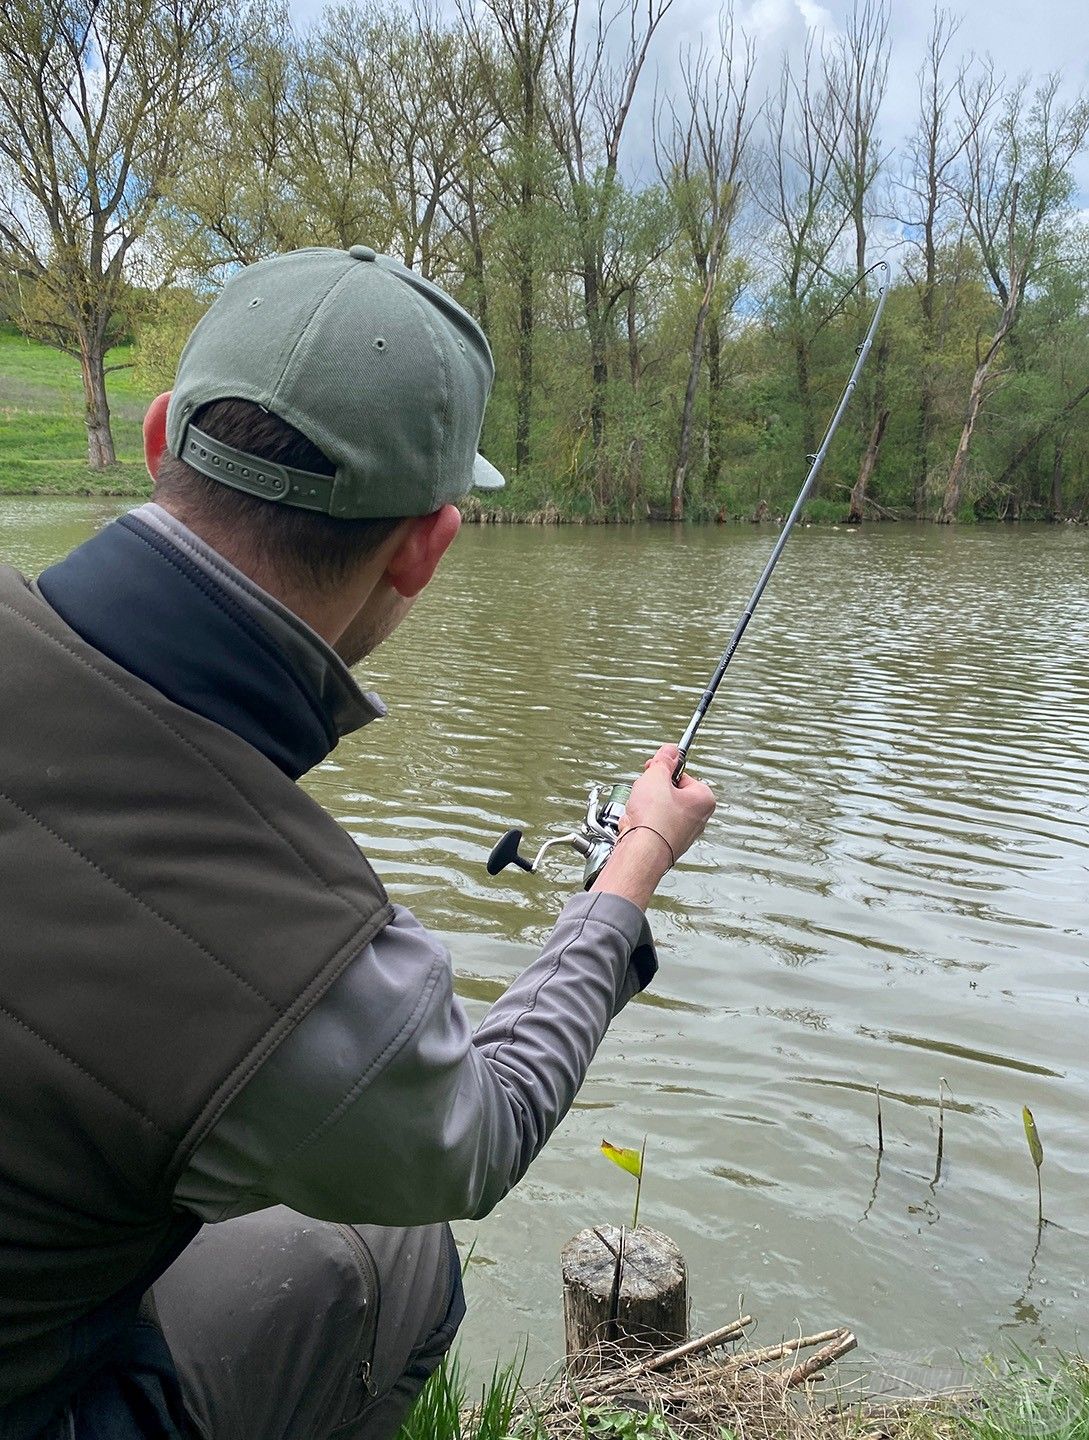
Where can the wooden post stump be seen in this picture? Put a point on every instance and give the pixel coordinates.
(626, 1289)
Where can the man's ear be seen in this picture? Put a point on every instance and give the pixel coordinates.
(425, 542)
(155, 433)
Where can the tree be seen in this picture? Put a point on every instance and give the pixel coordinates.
(1013, 187)
(701, 152)
(236, 203)
(857, 68)
(796, 188)
(594, 96)
(932, 152)
(93, 100)
(526, 31)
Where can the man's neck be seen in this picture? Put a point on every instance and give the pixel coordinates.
(327, 611)
(153, 597)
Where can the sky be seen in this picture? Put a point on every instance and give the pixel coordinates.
(1021, 36)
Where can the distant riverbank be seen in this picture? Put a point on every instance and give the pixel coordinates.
(44, 447)
(129, 480)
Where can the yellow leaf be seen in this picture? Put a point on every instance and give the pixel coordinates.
(629, 1160)
(1032, 1135)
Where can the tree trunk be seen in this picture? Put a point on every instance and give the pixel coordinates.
(632, 1299)
(801, 367)
(922, 446)
(881, 417)
(714, 404)
(476, 244)
(599, 371)
(1057, 482)
(695, 365)
(958, 469)
(525, 355)
(951, 499)
(866, 469)
(92, 363)
(635, 370)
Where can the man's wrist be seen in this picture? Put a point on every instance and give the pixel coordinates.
(635, 868)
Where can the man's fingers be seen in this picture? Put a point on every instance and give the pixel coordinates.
(687, 781)
(667, 755)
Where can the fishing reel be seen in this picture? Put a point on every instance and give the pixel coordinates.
(593, 840)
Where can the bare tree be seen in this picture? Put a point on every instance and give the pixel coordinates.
(857, 67)
(594, 98)
(527, 31)
(796, 186)
(477, 194)
(93, 95)
(933, 151)
(427, 106)
(1013, 183)
(700, 151)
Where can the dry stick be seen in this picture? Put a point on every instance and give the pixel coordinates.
(820, 1360)
(733, 1331)
(787, 1347)
(941, 1130)
(841, 1341)
(880, 1127)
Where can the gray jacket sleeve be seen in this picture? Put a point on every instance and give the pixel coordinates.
(384, 1106)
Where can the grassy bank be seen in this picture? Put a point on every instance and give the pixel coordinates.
(1026, 1398)
(42, 435)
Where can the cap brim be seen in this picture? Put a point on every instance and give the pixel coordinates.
(486, 476)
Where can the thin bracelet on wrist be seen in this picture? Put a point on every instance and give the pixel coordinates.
(632, 828)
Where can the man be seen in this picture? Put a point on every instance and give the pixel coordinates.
(212, 1015)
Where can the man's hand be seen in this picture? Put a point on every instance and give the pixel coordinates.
(663, 820)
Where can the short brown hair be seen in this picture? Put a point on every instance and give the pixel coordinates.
(315, 549)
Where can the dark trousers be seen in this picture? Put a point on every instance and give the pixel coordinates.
(286, 1328)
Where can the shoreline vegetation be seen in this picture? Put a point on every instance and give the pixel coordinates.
(1019, 1397)
(42, 439)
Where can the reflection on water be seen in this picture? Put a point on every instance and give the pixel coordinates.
(894, 890)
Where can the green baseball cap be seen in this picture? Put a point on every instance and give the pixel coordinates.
(380, 369)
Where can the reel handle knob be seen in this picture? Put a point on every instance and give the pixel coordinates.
(505, 852)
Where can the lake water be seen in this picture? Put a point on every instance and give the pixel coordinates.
(895, 889)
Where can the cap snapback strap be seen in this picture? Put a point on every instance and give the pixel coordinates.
(267, 479)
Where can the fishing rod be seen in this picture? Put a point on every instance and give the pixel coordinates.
(600, 827)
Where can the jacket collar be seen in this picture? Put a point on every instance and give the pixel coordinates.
(158, 601)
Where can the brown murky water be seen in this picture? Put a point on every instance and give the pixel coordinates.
(895, 890)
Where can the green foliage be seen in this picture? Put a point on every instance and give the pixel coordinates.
(454, 151)
(599, 1424)
(1036, 1151)
(159, 336)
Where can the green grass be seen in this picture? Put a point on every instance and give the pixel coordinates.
(1032, 1398)
(1044, 1397)
(444, 1410)
(42, 435)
